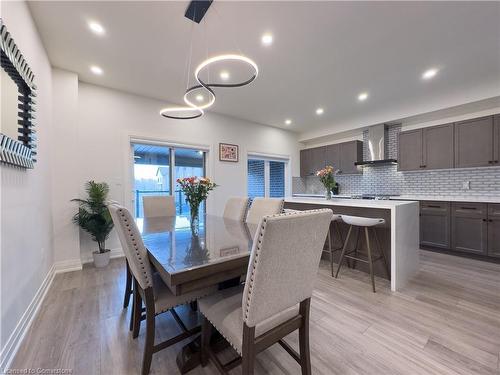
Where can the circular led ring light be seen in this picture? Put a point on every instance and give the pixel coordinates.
(215, 59)
(207, 86)
(164, 112)
(204, 106)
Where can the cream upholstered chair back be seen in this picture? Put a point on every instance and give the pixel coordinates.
(262, 207)
(284, 262)
(133, 247)
(236, 208)
(158, 205)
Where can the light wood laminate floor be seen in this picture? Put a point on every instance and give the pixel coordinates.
(446, 321)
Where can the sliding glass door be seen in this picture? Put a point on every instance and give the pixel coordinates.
(157, 168)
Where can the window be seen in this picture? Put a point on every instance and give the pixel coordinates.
(266, 178)
(157, 168)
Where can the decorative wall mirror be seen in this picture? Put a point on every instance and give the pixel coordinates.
(17, 109)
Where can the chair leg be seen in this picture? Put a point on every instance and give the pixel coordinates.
(330, 249)
(343, 251)
(128, 288)
(305, 354)
(370, 261)
(206, 331)
(150, 332)
(132, 313)
(137, 310)
(248, 350)
(381, 251)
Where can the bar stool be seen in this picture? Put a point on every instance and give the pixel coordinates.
(366, 223)
(336, 219)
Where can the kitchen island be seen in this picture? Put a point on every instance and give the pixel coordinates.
(399, 236)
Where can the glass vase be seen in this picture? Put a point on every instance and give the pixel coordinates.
(328, 194)
(195, 218)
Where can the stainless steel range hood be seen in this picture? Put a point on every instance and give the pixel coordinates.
(377, 136)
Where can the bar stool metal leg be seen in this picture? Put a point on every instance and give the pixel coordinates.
(344, 251)
(381, 251)
(370, 260)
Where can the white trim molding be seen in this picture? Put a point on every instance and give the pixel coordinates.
(16, 338)
(68, 266)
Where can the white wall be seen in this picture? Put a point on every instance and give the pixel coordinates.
(26, 254)
(64, 143)
(108, 118)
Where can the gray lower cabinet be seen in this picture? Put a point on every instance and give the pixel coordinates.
(469, 227)
(350, 153)
(474, 143)
(494, 230)
(435, 224)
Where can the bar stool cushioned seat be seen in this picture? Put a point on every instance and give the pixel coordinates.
(361, 221)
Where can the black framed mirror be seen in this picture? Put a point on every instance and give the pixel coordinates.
(17, 110)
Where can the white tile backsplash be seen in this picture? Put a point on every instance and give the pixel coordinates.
(484, 182)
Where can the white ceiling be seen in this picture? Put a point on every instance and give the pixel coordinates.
(324, 53)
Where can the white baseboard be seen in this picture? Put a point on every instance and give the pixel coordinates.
(115, 253)
(68, 266)
(16, 338)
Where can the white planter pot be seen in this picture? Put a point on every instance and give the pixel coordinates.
(101, 259)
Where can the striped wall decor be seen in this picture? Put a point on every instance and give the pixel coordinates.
(20, 152)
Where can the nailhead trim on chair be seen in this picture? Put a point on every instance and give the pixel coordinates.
(149, 282)
(257, 250)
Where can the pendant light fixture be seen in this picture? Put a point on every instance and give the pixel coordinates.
(195, 12)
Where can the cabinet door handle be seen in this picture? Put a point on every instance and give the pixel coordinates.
(491, 161)
(431, 206)
(490, 220)
(468, 208)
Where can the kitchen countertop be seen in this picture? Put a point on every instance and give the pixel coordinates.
(447, 198)
(365, 203)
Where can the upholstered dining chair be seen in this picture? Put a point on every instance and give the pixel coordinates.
(275, 299)
(236, 208)
(158, 205)
(149, 288)
(261, 207)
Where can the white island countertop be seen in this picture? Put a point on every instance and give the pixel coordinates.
(404, 230)
(365, 203)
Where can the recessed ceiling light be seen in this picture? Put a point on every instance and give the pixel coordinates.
(429, 73)
(320, 111)
(96, 28)
(267, 39)
(224, 75)
(96, 70)
(363, 96)
(199, 98)
(288, 121)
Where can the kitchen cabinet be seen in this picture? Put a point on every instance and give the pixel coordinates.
(494, 230)
(410, 150)
(427, 148)
(341, 156)
(333, 156)
(311, 160)
(496, 139)
(438, 148)
(475, 143)
(469, 227)
(435, 224)
(350, 153)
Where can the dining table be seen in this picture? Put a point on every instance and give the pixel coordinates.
(215, 252)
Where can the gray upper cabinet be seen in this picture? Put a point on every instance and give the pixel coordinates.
(474, 143)
(410, 150)
(333, 156)
(350, 153)
(469, 227)
(435, 224)
(496, 139)
(438, 147)
(311, 160)
(494, 230)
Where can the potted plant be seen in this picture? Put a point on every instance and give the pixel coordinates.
(327, 178)
(94, 218)
(196, 191)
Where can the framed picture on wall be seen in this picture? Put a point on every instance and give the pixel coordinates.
(228, 152)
